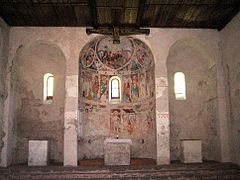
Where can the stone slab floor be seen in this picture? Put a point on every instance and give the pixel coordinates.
(95, 170)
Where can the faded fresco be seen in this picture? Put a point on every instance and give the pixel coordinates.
(133, 117)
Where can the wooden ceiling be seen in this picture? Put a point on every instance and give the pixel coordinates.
(214, 14)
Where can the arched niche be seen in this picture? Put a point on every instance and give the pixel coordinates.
(196, 116)
(33, 118)
(133, 116)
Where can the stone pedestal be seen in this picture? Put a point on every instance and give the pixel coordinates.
(117, 151)
(191, 150)
(38, 153)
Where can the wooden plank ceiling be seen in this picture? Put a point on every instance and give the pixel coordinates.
(214, 14)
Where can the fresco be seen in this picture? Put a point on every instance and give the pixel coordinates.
(129, 121)
(134, 88)
(133, 117)
(126, 89)
(114, 56)
(149, 121)
(86, 85)
(115, 122)
(95, 87)
(130, 55)
(142, 82)
(104, 88)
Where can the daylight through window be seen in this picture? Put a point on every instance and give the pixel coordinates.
(48, 87)
(115, 89)
(179, 86)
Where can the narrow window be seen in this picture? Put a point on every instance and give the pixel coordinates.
(115, 89)
(48, 87)
(179, 86)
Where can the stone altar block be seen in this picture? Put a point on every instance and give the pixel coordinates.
(117, 151)
(38, 153)
(191, 150)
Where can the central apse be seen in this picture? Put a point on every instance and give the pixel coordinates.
(132, 115)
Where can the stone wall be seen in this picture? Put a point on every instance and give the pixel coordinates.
(196, 116)
(133, 116)
(230, 45)
(4, 33)
(72, 40)
(34, 117)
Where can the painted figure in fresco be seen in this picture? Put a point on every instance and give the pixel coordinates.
(147, 90)
(140, 56)
(110, 61)
(142, 86)
(115, 119)
(84, 89)
(113, 60)
(95, 87)
(130, 127)
(135, 65)
(104, 86)
(149, 122)
(134, 88)
(103, 54)
(87, 89)
(131, 123)
(89, 57)
(126, 92)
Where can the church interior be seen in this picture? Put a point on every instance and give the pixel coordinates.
(119, 82)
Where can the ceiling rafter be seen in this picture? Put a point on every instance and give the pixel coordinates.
(213, 14)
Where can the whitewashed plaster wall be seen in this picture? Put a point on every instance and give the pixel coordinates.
(71, 41)
(4, 35)
(196, 116)
(160, 41)
(34, 118)
(230, 46)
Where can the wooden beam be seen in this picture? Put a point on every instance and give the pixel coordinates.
(93, 9)
(140, 12)
(120, 31)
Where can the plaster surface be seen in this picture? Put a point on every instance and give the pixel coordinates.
(33, 117)
(230, 45)
(160, 41)
(4, 39)
(196, 116)
(133, 116)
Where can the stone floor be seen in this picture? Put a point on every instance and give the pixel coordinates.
(95, 170)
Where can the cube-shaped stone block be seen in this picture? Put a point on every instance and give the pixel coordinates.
(38, 153)
(191, 150)
(117, 152)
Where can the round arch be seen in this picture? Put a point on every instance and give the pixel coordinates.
(196, 116)
(133, 115)
(32, 118)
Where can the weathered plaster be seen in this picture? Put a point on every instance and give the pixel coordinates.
(195, 117)
(71, 41)
(230, 46)
(4, 39)
(33, 118)
(134, 116)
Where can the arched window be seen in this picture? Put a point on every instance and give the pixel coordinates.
(114, 89)
(179, 86)
(48, 82)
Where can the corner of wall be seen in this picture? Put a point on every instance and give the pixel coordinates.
(4, 49)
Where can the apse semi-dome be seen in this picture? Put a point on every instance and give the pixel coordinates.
(117, 96)
(101, 55)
